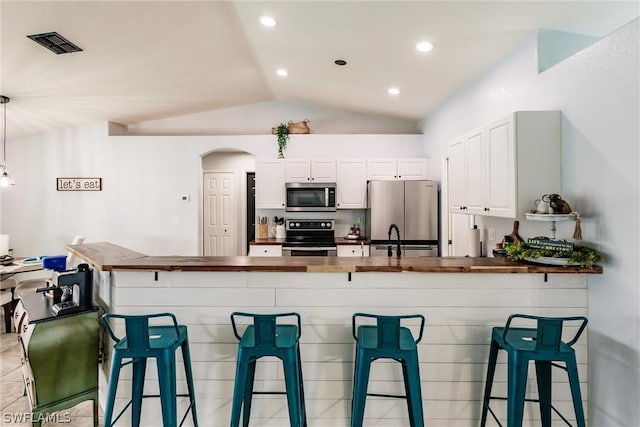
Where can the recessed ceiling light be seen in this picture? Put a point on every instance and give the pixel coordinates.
(424, 47)
(268, 21)
(340, 62)
(282, 72)
(393, 91)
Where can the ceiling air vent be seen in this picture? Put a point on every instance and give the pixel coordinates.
(55, 43)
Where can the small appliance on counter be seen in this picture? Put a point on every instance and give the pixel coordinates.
(72, 290)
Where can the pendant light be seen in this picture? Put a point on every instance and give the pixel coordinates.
(5, 178)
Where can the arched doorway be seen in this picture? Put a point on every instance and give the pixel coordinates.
(224, 202)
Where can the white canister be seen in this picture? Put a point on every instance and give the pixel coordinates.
(4, 244)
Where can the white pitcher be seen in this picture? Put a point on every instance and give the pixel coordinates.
(278, 231)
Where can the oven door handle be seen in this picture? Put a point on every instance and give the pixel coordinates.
(310, 249)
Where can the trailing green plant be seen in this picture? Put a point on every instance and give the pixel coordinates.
(282, 133)
(583, 256)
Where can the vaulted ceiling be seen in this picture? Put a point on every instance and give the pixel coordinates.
(149, 60)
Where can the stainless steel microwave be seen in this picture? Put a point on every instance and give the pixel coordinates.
(311, 196)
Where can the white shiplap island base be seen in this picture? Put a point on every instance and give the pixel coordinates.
(460, 308)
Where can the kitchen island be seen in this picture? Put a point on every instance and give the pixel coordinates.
(462, 299)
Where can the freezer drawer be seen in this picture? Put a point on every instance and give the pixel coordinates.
(407, 250)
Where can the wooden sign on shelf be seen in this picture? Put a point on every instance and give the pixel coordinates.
(78, 184)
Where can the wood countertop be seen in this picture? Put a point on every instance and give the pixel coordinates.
(108, 257)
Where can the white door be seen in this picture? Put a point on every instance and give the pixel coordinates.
(219, 214)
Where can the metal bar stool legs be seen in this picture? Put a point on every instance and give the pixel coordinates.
(262, 338)
(139, 343)
(542, 344)
(386, 340)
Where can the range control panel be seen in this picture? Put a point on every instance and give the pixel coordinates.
(305, 224)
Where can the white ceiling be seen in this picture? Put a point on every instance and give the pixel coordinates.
(149, 60)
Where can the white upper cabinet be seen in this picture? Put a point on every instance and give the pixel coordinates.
(270, 189)
(474, 142)
(457, 175)
(397, 169)
(351, 186)
(500, 169)
(305, 170)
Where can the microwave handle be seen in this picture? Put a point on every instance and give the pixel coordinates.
(326, 197)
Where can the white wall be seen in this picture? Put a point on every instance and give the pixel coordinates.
(261, 117)
(598, 92)
(143, 179)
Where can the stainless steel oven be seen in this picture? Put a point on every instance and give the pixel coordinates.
(309, 238)
(311, 197)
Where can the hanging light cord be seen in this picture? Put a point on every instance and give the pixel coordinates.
(4, 134)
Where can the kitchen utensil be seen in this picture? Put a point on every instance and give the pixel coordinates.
(517, 239)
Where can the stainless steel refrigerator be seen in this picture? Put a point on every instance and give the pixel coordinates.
(413, 206)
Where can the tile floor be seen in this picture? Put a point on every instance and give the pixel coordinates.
(14, 407)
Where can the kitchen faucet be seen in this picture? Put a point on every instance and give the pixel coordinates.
(389, 250)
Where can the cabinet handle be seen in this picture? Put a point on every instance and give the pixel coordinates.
(486, 209)
(399, 176)
(308, 179)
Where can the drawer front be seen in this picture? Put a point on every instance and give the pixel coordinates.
(29, 382)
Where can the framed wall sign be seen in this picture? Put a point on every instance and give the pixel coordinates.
(79, 184)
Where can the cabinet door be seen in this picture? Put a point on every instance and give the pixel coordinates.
(351, 187)
(352, 251)
(323, 170)
(382, 169)
(413, 169)
(265, 250)
(457, 176)
(475, 174)
(297, 170)
(500, 196)
(270, 184)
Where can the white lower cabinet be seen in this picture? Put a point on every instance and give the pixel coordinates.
(265, 250)
(500, 169)
(353, 250)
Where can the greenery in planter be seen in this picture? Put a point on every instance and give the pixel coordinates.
(581, 255)
(282, 132)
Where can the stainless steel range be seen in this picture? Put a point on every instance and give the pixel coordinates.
(306, 237)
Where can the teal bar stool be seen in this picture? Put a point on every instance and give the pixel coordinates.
(542, 344)
(140, 342)
(265, 337)
(386, 340)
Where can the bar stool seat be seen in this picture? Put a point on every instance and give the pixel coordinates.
(386, 340)
(542, 344)
(140, 342)
(264, 337)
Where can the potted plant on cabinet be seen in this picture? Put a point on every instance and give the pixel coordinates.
(282, 133)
